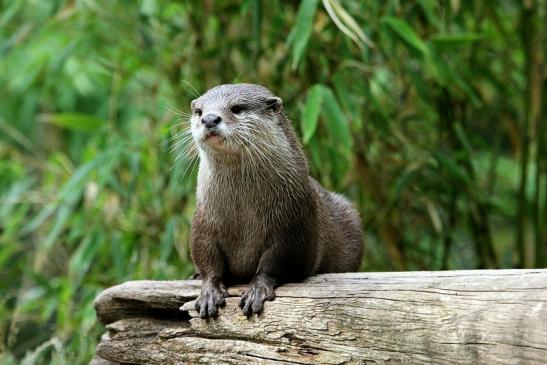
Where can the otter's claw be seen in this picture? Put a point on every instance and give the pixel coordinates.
(211, 298)
(252, 300)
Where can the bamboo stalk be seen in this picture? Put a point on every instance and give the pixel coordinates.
(536, 89)
(528, 34)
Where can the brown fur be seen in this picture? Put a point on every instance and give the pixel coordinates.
(259, 216)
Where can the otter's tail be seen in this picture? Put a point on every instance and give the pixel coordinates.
(349, 228)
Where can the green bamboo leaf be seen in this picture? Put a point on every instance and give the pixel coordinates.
(72, 189)
(406, 34)
(118, 253)
(63, 215)
(337, 123)
(451, 41)
(429, 8)
(13, 194)
(464, 138)
(314, 149)
(167, 239)
(310, 113)
(257, 22)
(301, 32)
(82, 259)
(446, 75)
(403, 180)
(68, 194)
(9, 12)
(75, 121)
(350, 101)
(451, 167)
(346, 23)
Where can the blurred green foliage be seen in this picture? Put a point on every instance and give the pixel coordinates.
(427, 114)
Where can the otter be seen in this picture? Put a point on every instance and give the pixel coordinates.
(260, 218)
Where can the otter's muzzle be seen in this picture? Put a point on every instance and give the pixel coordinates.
(211, 120)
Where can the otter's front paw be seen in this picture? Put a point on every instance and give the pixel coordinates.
(211, 298)
(252, 300)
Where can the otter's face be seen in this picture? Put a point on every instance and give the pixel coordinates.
(230, 118)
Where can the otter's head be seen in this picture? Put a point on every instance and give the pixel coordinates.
(232, 118)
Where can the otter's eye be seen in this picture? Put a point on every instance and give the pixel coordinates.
(236, 109)
(198, 111)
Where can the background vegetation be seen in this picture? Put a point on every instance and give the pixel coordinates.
(427, 114)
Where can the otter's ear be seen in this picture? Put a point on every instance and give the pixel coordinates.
(274, 103)
(193, 104)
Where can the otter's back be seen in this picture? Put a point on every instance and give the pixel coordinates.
(341, 236)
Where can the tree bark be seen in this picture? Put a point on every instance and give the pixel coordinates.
(490, 316)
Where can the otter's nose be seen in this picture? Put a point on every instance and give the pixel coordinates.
(210, 120)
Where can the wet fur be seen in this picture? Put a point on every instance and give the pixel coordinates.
(260, 217)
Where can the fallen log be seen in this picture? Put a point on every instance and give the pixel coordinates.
(487, 316)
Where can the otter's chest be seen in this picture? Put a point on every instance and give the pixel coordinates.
(243, 222)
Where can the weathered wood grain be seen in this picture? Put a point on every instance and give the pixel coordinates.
(460, 317)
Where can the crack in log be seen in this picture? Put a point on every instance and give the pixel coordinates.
(493, 344)
(274, 359)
